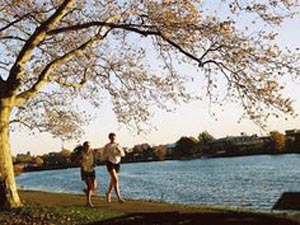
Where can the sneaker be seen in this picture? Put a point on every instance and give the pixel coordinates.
(90, 205)
(121, 200)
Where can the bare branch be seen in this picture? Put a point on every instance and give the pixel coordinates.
(13, 37)
(45, 75)
(140, 29)
(130, 27)
(36, 38)
(28, 125)
(68, 84)
(3, 68)
(14, 22)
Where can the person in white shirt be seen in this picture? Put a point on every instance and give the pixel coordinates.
(113, 152)
(88, 174)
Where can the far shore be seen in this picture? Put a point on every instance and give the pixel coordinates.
(50, 208)
(60, 167)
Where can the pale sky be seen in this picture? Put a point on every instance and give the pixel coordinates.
(189, 119)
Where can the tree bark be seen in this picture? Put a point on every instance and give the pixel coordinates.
(9, 197)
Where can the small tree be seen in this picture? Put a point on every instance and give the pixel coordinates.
(160, 152)
(56, 53)
(186, 146)
(39, 161)
(205, 137)
(277, 141)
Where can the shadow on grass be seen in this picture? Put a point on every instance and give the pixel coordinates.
(174, 218)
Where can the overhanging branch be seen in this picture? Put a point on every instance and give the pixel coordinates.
(13, 37)
(46, 77)
(36, 38)
(28, 125)
(136, 28)
(13, 22)
(131, 27)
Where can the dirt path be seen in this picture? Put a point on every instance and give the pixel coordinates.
(130, 206)
(149, 213)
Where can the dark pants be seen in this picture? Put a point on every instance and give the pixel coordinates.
(110, 166)
(88, 175)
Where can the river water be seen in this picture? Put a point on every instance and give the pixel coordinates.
(253, 182)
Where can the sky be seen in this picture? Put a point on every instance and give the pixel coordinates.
(188, 120)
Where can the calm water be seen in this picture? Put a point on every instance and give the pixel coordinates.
(253, 182)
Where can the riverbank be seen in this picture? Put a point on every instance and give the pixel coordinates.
(49, 208)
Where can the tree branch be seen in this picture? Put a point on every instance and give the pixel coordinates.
(36, 38)
(14, 22)
(68, 84)
(45, 75)
(131, 27)
(3, 68)
(28, 125)
(140, 29)
(13, 37)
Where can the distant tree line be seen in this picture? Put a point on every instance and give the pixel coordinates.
(67, 158)
(207, 146)
(184, 148)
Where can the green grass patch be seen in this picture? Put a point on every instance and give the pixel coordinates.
(84, 214)
(55, 215)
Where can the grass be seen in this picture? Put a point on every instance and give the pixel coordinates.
(59, 209)
(84, 214)
(34, 214)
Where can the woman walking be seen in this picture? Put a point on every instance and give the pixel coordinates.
(88, 174)
(113, 152)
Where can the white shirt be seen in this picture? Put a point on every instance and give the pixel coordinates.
(114, 152)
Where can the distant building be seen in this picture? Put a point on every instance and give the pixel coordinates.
(294, 132)
(231, 144)
(293, 140)
(265, 139)
(293, 136)
(170, 147)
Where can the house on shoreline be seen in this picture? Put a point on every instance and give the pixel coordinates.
(237, 145)
(292, 140)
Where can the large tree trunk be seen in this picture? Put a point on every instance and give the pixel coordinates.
(9, 197)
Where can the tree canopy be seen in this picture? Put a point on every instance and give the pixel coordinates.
(205, 137)
(56, 53)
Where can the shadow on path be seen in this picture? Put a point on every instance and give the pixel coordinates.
(175, 218)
